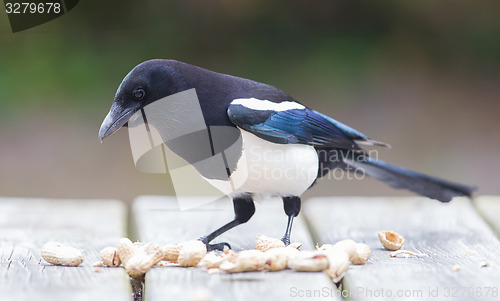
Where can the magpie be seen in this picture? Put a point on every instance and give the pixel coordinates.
(282, 146)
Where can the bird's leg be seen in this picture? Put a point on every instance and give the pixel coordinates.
(292, 209)
(244, 208)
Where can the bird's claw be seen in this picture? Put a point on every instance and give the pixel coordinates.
(218, 246)
(214, 247)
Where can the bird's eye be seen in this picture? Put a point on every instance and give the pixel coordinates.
(139, 94)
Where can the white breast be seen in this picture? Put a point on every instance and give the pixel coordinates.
(271, 169)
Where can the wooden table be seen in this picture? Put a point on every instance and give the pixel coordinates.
(460, 233)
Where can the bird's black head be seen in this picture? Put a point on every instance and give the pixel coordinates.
(146, 83)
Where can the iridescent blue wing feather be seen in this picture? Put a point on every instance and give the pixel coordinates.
(290, 122)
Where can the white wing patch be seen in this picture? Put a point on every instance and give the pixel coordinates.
(266, 105)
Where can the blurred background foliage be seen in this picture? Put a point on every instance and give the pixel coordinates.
(423, 76)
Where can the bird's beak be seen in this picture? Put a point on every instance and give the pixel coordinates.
(116, 118)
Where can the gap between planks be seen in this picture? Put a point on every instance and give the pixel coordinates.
(489, 208)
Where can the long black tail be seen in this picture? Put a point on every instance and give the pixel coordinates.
(402, 178)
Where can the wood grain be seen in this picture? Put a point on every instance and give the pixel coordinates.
(159, 219)
(90, 225)
(451, 234)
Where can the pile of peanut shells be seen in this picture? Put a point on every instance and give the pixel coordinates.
(270, 255)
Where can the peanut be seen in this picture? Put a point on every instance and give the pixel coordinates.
(60, 254)
(308, 261)
(358, 253)
(191, 253)
(109, 257)
(265, 243)
(277, 259)
(338, 264)
(245, 261)
(362, 254)
(211, 260)
(137, 258)
(170, 253)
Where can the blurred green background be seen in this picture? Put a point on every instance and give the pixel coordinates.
(423, 76)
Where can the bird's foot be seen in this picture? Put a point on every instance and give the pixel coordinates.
(286, 240)
(218, 246)
(214, 247)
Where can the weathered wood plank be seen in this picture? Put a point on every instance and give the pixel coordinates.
(451, 234)
(159, 219)
(489, 208)
(26, 224)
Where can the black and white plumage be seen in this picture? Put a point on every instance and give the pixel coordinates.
(276, 133)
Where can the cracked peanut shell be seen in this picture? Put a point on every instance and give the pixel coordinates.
(391, 240)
